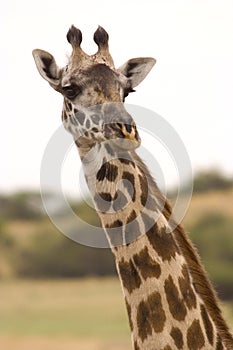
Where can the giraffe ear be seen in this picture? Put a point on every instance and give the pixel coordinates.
(137, 69)
(47, 66)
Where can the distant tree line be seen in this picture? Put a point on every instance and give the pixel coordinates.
(28, 205)
(21, 205)
(204, 181)
(211, 180)
(54, 256)
(49, 254)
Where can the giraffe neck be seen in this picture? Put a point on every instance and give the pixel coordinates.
(166, 294)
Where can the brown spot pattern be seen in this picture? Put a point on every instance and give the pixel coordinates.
(143, 323)
(115, 232)
(88, 124)
(94, 130)
(136, 347)
(219, 344)
(112, 172)
(64, 115)
(129, 275)
(150, 315)
(103, 201)
(132, 229)
(207, 324)
(128, 307)
(106, 196)
(176, 305)
(187, 289)
(163, 243)
(167, 347)
(144, 189)
(157, 314)
(146, 265)
(132, 216)
(108, 171)
(177, 336)
(80, 116)
(127, 161)
(115, 224)
(129, 184)
(120, 201)
(195, 338)
(102, 171)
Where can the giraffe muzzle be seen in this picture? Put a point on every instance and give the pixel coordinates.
(123, 136)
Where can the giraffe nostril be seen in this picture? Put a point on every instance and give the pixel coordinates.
(126, 134)
(123, 126)
(128, 128)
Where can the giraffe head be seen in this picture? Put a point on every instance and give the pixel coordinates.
(94, 91)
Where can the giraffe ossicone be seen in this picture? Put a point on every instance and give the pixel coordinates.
(169, 299)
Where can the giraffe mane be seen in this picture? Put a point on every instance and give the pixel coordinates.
(200, 279)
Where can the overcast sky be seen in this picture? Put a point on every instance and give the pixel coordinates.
(191, 85)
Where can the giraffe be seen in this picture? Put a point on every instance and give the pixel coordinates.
(169, 300)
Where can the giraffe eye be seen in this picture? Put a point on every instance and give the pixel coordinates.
(71, 91)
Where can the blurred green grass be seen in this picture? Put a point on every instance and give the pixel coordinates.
(41, 311)
(86, 310)
(88, 307)
(86, 313)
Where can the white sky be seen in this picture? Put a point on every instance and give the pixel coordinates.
(191, 85)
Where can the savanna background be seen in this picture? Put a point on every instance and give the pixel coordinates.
(58, 294)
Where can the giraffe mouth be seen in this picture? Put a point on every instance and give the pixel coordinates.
(123, 136)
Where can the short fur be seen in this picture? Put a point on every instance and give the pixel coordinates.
(201, 281)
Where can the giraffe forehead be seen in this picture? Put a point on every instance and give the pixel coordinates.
(92, 74)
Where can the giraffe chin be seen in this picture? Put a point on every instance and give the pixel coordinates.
(125, 144)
